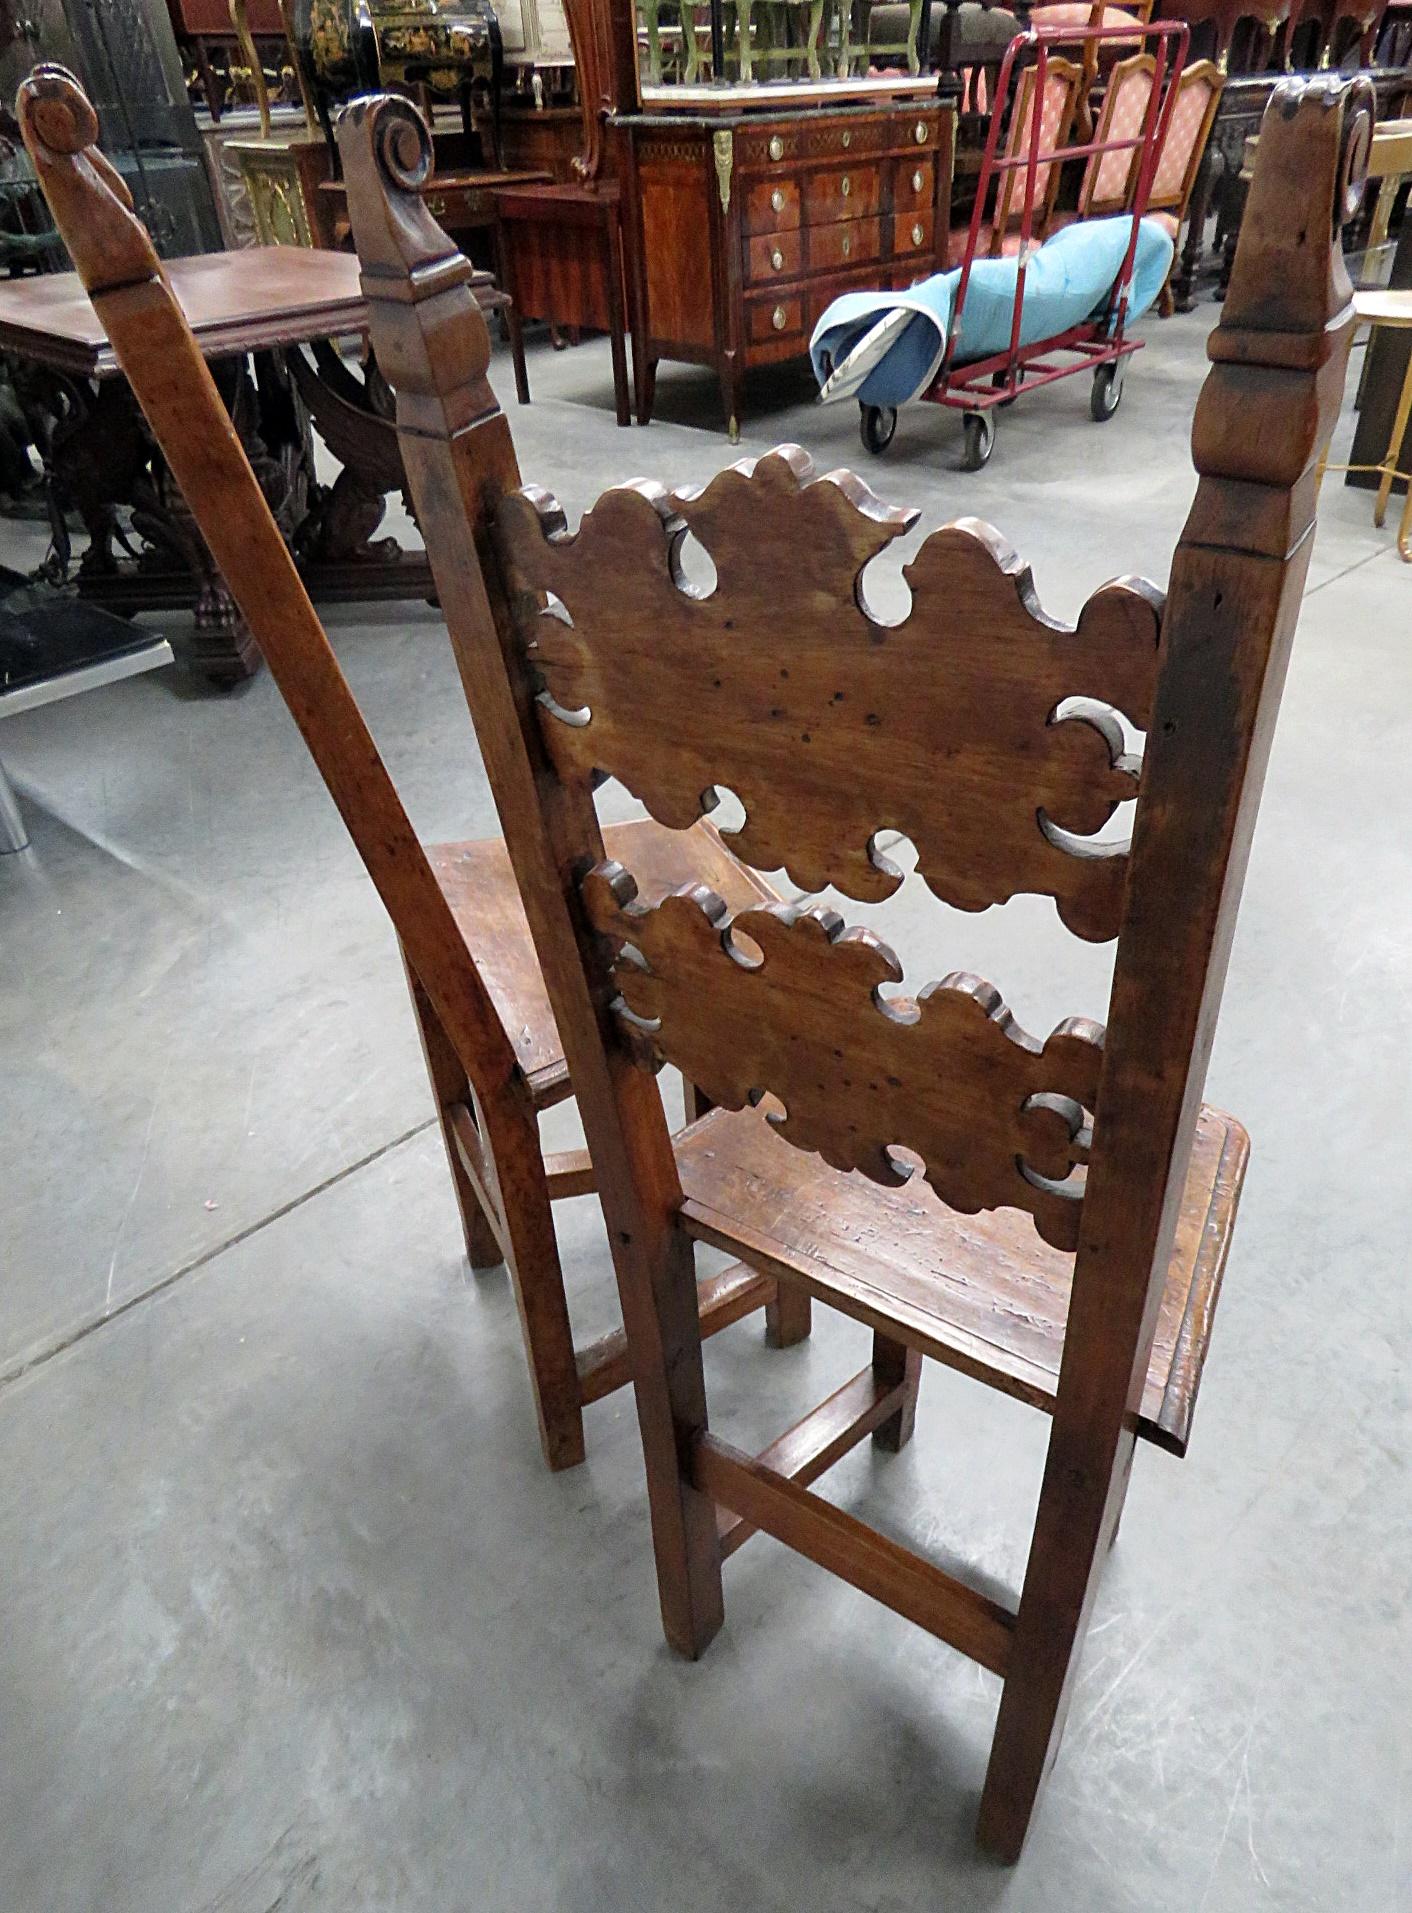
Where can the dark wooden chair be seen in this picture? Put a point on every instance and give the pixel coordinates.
(492, 1050)
(1065, 1225)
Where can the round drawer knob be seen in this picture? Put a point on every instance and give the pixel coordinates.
(847, 244)
(917, 235)
(777, 201)
(776, 147)
(845, 186)
(917, 181)
(847, 136)
(777, 318)
(919, 132)
(777, 260)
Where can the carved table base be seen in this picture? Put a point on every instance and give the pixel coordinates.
(144, 551)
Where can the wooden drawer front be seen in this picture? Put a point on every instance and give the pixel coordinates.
(845, 192)
(818, 137)
(772, 256)
(849, 242)
(768, 319)
(913, 185)
(772, 205)
(911, 232)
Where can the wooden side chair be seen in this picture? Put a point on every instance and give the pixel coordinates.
(1057, 106)
(492, 1050)
(1173, 194)
(1109, 178)
(1050, 1217)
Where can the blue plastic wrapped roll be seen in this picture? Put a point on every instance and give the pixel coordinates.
(884, 348)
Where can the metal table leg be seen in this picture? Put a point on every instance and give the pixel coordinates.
(13, 835)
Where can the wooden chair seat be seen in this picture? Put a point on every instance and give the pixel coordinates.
(479, 885)
(981, 1293)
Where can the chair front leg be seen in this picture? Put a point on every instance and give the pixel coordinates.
(914, 27)
(816, 21)
(451, 1089)
(514, 1169)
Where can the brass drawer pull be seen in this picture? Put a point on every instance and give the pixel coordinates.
(777, 260)
(776, 147)
(847, 137)
(777, 318)
(917, 181)
(777, 201)
(919, 132)
(917, 235)
(845, 186)
(847, 244)
(436, 204)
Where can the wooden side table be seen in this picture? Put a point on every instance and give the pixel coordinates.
(560, 258)
(266, 318)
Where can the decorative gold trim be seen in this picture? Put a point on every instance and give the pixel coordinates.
(723, 148)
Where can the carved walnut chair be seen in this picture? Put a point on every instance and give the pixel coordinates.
(491, 1046)
(1064, 1229)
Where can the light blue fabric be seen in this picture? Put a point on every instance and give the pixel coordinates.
(1069, 279)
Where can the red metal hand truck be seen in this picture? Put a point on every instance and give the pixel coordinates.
(1099, 343)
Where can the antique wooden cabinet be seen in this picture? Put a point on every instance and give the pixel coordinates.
(748, 224)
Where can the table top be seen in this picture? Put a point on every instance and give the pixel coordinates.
(245, 301)
(1386, 307)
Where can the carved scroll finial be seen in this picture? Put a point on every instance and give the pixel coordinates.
(92, 205)
(1280, 352)
(427, 329)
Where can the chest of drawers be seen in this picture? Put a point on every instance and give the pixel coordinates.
(747, 226)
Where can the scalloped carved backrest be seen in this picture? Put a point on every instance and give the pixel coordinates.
(986, 732)
(982, 730)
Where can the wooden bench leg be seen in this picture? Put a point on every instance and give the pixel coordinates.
(894, 1363)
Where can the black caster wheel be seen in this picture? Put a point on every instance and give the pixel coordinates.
(1107, 393)
(980, 441)
(876, 426)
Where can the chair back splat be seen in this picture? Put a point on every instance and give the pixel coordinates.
(994, 739)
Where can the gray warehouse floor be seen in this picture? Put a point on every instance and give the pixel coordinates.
(292, 1617)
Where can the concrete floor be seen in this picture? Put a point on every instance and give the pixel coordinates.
(291, 1616)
